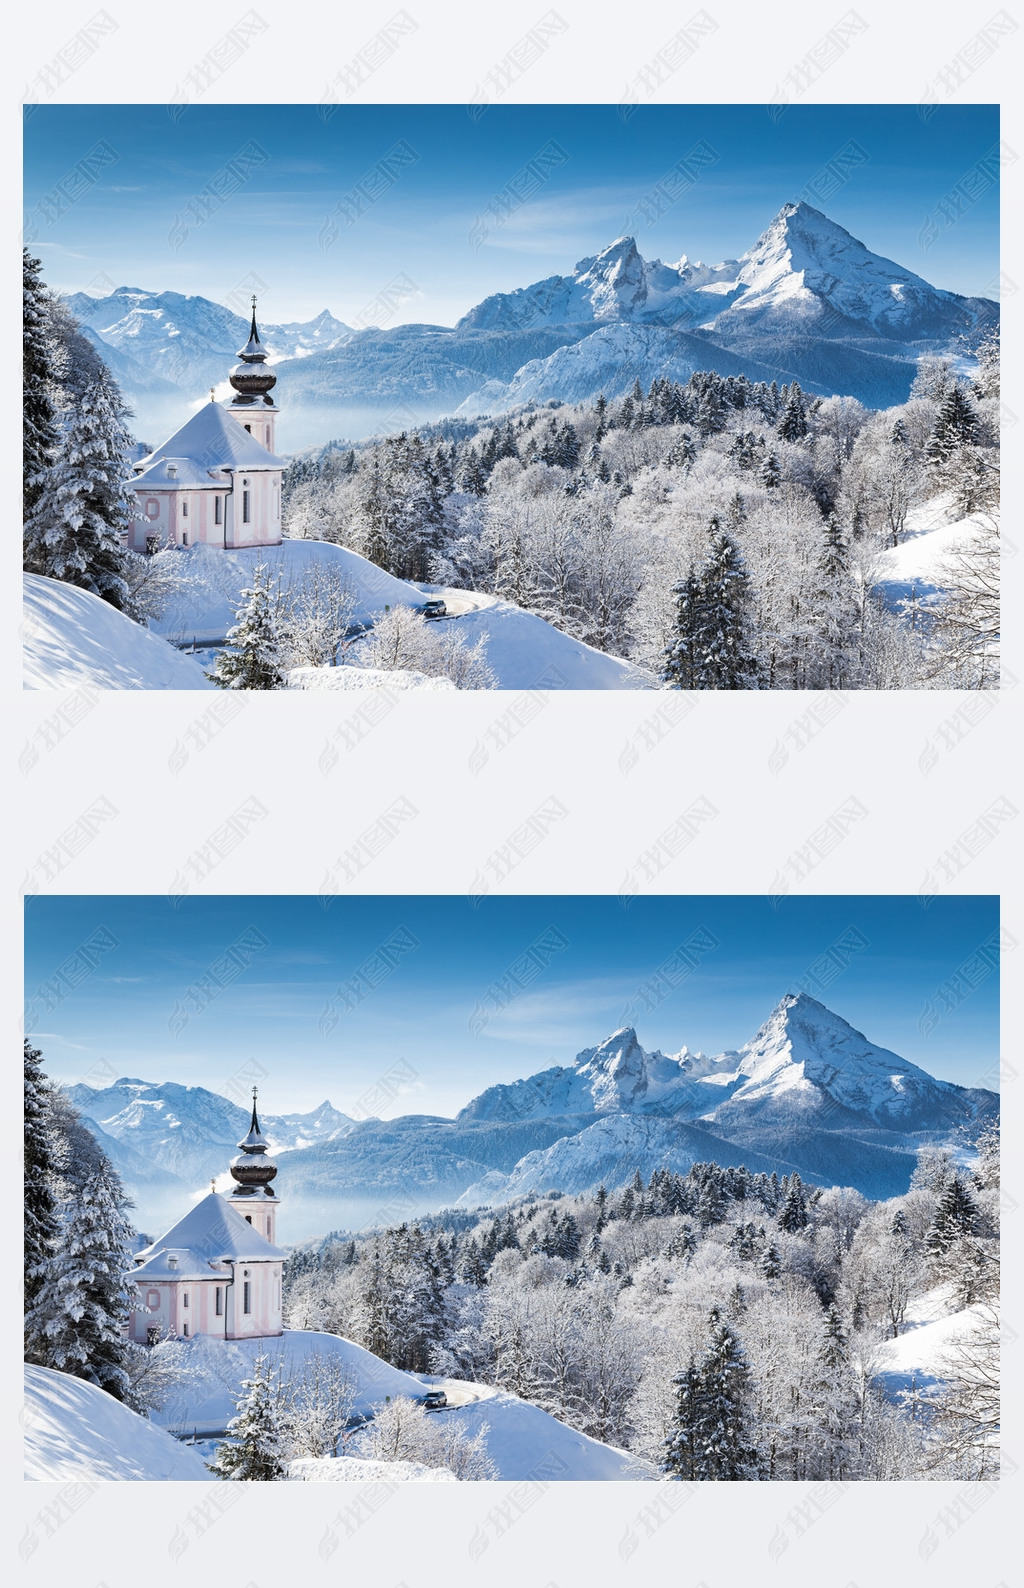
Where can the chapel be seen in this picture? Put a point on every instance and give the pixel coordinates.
(217, 1272)
(217, 480)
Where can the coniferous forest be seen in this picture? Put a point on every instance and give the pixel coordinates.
(719, 1324)
(723, 534)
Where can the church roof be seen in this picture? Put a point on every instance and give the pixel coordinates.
(210, 1231)
(212, 439)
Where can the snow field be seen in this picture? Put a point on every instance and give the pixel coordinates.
(74, 1432)
(72, 637)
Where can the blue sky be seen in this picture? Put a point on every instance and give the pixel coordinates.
(125, 1018)
(121, 224)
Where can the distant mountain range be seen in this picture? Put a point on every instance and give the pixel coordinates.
(808, 1092)
(807, 301)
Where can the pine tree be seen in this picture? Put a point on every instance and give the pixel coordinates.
(725, 659)
(793, 1217)
(955, 1217)
(39, 415)
(793, 424)
(771, 1262)
(251, 659)
(682, 667)
(42, 1225)
(708, 1442)
(955, 427)
(834, 1351)
(254, 1449)
(681, 453)
(84, 1300)
(78, 527)
(470, 476)
(684, 1444)
(835, 611)
(376, 518)
(771, 474)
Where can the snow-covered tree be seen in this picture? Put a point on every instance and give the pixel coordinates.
(252, 1452)
(315, 616)
(401, 1430)
(793, 423)
(726, 660)
(39, 414)
(42, 1225)
(251, 658)
(710, 1437)
(77, 528)
(967, 624)
(403, 640)
(83, 1302)
(318, 1405)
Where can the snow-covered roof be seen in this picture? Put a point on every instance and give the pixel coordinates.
(211, 439)
(212, 1230)
(176, 473)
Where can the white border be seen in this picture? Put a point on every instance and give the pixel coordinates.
(871, 1534)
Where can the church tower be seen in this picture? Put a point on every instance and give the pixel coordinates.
(253, 1170)
(252, 404)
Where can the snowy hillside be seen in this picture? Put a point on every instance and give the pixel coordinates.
(72, 637)
(351, 1469)
(918, 1358)
(76, 1433)
(933, 537)
(206, 1401)
(215, 580)
(519, 1434)
(523, 651)
(524, 1441)
(609, 1153)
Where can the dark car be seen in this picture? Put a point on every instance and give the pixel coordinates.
(434, 1400)
(434, 608)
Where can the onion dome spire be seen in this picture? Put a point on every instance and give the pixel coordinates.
(253, 1168)
(249, 378)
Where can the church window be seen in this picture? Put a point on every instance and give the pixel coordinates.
(185, 1331)
(184, 1299)
(218, 1305)
(248, 1218)
(247, 1297)
(184, 537)
(216, 510)
(184, 509)
(249, 428)
(245, 507)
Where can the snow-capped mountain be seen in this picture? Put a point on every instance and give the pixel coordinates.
(808, 301)
(618, 1077)
(807, 1064)
(804, 1065)
(187, 1131)
(806, 1093)
(187, 340)
(802, 266)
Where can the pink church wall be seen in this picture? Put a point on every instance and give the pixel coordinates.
(164, 518)
(165, 1309)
